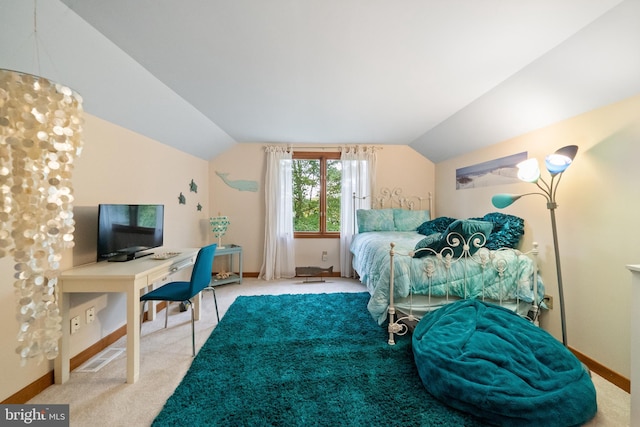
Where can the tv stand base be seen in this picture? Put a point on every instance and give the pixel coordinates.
(128, 257)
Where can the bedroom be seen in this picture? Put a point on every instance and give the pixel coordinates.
(596, 199)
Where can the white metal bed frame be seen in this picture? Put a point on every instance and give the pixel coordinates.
(394, 198)
(484, 257)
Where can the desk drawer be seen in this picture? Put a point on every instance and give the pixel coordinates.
(163, 275)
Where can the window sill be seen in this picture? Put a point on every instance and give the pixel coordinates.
(316, 235)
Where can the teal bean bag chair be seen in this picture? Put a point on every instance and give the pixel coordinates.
(488, 361)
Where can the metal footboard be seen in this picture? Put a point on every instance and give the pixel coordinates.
(486, 258)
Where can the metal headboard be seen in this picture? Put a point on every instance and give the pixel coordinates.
(393, 198)
(388, 198)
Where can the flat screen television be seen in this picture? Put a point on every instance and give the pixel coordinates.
(125, 232)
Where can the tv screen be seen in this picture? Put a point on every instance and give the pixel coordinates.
(126, 231)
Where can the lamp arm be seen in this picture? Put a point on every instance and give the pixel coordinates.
(554, 189)
(547, 188)
(544, 194)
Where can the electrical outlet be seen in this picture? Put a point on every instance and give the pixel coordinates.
(90, 315)
(548, 300)
(75, 324)
(324, 255)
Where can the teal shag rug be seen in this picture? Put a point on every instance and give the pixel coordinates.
(304, 360)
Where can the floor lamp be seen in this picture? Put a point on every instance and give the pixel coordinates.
(529, 171)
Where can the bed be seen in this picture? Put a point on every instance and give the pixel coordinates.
(429, 263)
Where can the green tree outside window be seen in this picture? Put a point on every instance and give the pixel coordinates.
(316, 194)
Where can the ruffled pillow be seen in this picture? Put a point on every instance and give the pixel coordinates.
(437, 225)
(507, 230)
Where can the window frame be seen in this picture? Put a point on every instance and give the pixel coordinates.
(322, 156)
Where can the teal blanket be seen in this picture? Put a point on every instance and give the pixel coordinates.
(483, 359)
(466, 278)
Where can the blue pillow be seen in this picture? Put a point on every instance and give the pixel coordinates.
(468, 229)
(437, 225)
(507, 230)
(375, 220)
(427, 243)
(408, 220)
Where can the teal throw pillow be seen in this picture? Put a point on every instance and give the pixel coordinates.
(427, 243)
(375, 220)
(466, 229)
(507, 230)
(437, 225)
(408, 220)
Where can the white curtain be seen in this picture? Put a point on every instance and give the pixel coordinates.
(358, 177)
(279, 255)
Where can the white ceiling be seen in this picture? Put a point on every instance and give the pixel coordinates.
(444, 76)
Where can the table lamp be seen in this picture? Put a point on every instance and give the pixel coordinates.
(219, 226)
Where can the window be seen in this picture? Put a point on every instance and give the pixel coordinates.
(316, 194)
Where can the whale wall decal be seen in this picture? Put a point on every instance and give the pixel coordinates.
(238, 184)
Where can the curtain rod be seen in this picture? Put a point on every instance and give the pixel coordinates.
(325, 147)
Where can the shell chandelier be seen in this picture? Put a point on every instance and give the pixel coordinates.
(40, 136)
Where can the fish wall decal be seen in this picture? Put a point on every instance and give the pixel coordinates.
(238, 184)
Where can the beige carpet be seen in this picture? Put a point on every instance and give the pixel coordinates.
(104, 399)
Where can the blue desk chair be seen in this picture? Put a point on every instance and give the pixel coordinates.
(185, 291)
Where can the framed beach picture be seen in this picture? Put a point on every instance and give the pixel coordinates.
(494, 172)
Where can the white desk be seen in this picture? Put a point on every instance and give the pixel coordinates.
(126, 277)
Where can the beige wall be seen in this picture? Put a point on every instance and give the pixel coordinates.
(116, 166)
(598, 200)
(398, 166)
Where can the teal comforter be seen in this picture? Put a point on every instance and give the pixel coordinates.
(466, 278)
(486, 360)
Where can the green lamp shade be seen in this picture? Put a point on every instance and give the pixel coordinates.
(501, 201)
(219, 224)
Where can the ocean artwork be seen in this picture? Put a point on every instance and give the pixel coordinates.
(238, 184)
(494, 172)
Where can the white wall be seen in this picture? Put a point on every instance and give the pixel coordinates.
(116, 166)
(598, 200)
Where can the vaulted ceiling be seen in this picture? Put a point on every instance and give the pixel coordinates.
(443, 76)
